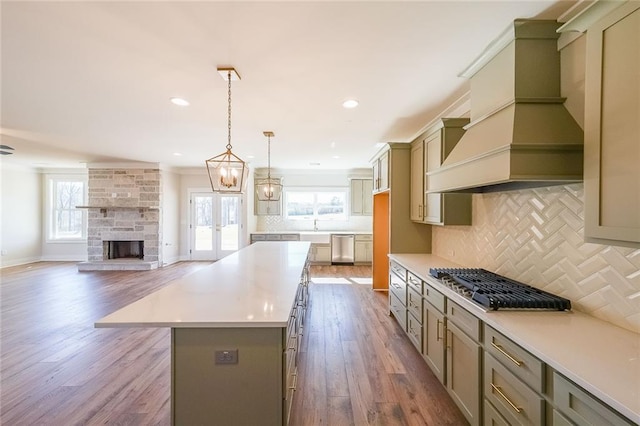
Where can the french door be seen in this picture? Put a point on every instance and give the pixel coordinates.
(215, 225)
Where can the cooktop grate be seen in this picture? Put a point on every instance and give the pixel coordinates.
(495, 291)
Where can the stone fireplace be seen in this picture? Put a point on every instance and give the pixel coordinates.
(124, 229)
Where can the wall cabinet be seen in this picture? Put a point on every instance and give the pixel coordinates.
(361, 197)
(612, 128)
(427, 154)
(381, 172)
(267, 208)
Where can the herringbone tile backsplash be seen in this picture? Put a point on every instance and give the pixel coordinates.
(536, 236)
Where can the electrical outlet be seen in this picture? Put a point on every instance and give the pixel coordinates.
(229, 356)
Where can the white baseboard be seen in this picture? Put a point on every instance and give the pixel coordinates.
(18, 262)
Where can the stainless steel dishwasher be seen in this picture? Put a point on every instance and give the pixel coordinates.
(342, 248)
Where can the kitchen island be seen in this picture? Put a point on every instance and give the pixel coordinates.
(235, 327)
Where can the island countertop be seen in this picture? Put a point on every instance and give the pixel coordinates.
(253, 287)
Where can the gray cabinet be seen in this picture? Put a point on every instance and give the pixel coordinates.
(320, 253)
(381, 172)
(433, 340)
(464, 361)
(428, 151)
(612, 128)
(361, 197)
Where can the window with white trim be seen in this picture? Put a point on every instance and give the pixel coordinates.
(314, 204)
(65, 221)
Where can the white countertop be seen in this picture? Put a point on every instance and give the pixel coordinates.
(253, 287)
(602, 358)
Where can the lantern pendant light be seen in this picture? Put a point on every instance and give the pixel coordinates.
(227, 172)
(268, 189)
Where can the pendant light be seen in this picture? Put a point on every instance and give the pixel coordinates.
(268, 189)
(227, 172)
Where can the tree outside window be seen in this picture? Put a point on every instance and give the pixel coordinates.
(66, 221)
(320, 205)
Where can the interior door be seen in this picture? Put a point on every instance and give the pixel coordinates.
(215, 225)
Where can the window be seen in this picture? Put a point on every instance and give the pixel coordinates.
(66, 222)
(316, 204)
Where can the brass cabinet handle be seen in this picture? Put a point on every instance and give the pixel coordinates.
(438, 337)
(503, 352)
(514, 406)
(448, 339)
(295, 381)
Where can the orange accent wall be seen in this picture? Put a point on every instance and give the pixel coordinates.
(380, 241)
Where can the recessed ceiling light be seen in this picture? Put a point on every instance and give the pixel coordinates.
(336, 156)
(177, 154)
(179, 101)
(350, 103)
(251, 156)
(314, 164)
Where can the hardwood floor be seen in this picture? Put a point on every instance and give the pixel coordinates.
(356, 366)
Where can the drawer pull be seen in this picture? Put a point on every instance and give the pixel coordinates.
(438, 323)
(503, 352)
(295, 381)
(514, 406)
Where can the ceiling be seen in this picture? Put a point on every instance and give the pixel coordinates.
(91, 81)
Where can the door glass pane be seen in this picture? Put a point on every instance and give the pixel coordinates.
(229, 222)
(203, 223)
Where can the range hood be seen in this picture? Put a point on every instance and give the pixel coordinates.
(520, 134)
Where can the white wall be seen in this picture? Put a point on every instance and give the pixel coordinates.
(20, 215)
(170, 217)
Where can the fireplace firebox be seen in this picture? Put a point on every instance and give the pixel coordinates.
(124, 249)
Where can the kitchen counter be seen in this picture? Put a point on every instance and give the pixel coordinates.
(253, 287)
(600, 357)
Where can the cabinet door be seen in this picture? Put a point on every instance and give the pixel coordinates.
(433, 207)
(360, 254)
(323, 253)
(384, 171)
(367, 197)
(463, 372)
(357, 205)
(376, 175)
(612, 129)
(433, 348)
(417, 181)
(267, 208)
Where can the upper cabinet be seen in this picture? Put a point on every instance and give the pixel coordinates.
(612, 122)
(381, 173)
(267, 208)
(361, 197)
(427, 154)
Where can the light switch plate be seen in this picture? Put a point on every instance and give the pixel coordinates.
(228, 356)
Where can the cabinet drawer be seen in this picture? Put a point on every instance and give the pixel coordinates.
(525, 366)
(398, 270)
(414, 303)
(290, 237)
(273, 237)
(398, 288)
(492, 417)
(514, 400)
(414, 331)
(258, 237)
(434, 297)
(560, 420)
(398, 310)
(415, 282)
(582, 408)
(464, 320)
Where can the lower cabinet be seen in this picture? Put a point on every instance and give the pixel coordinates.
(492, 379)
(363, 248)
(463, 372)
(320, 253)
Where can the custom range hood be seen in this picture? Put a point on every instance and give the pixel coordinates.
(520, 134)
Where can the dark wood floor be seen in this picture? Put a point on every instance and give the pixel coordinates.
(356, 365)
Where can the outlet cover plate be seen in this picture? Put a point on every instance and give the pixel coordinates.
(228, 356)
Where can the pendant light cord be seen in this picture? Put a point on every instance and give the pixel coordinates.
(269, 158)
(229, 112)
